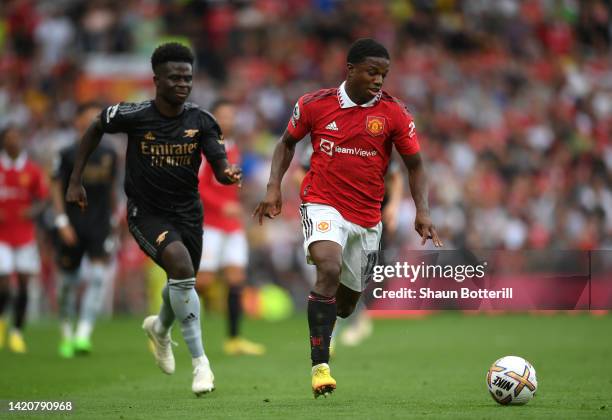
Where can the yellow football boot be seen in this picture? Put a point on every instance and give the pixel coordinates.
(322, 381)
(237, 345)
(16, 344)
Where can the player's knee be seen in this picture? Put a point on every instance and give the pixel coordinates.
(22, 283)
(329, 271)
(180, 270)
(177, 263)
(235, 277)
(98, 274)
(203, 281)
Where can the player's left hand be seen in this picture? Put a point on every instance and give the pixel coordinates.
(271, 205)
(75, 194)
(424, 226)
(234, 173)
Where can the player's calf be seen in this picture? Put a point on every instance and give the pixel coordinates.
(346, 301)
(344, 311)
(321, 319)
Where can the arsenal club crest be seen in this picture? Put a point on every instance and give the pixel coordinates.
(375, 125)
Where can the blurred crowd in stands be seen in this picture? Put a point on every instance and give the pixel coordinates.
(512, 99)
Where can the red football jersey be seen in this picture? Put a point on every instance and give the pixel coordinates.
(352, 147)
(21, 183)
(215, 195)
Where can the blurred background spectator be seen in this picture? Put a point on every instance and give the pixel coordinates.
(512, 99)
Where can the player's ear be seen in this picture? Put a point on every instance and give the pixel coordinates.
(350, 69)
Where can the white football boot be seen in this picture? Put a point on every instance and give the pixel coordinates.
(161, 346)
(202, 377)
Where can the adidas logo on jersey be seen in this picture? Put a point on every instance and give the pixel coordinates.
(332, 126)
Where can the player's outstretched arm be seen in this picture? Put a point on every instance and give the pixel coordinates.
(225, 173)
(272, 204)
(62, 223)
(419, 190)
(76, 193)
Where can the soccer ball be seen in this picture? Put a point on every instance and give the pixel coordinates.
(512, 380)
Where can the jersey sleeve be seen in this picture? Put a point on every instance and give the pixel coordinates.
(405, 136)
(300, 123)
(211, 138)
(115, 118)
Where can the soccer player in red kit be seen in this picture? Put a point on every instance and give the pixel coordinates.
(225, 245)
(22, 194)
(353, 129)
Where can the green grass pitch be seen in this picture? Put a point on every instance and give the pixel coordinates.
(412, 368)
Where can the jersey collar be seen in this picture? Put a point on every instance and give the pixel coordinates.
(16, 164)
(346, 102)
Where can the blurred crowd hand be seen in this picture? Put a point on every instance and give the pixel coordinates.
(232, 210)
(68, 235)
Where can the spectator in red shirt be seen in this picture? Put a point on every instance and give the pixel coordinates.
(22, 191)
(225, 244)
(353, 129)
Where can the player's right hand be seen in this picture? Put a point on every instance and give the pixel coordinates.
(270, 207)
(68, 235)
(76, 195)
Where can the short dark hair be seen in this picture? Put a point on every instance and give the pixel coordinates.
(366, 47)
(171, 51)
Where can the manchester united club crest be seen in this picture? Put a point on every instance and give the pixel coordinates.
(324, 226)
(375, 125)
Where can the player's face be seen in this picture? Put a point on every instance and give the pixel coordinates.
(173, 81)
(366, 78)
(225, 117)
(12, 142)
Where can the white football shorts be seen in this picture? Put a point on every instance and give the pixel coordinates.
(22, 259)
(222, 249)
(321, 222)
